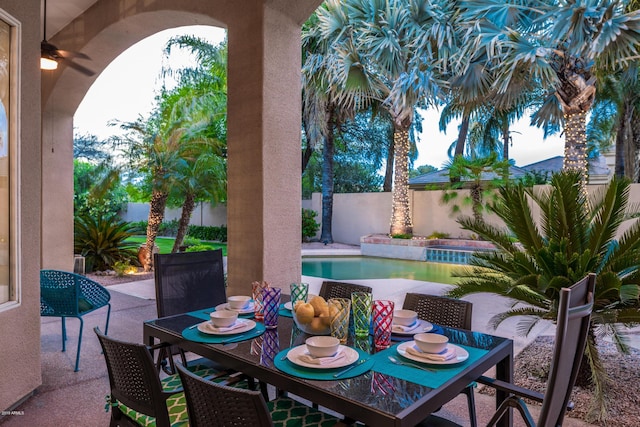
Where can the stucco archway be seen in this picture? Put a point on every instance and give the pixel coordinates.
(263, 118)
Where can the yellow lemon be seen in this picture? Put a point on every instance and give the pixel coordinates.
(304, 313)
(325, 319)
(319, 305)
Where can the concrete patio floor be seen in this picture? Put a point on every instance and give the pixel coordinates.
(78, 398)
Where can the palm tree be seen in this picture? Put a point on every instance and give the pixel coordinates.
(558, 45)
(390, 47)
(575, 236)
(198, 105)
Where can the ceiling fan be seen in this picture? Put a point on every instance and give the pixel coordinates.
(50, 55)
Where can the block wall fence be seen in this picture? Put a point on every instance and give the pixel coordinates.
(359, 214)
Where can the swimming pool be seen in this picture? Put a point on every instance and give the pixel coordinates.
(362, 267)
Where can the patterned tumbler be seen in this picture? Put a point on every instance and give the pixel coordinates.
(299, 292)
(271, 305)
(361, 303)
(256, 292)
(382, 320)
(339, 309)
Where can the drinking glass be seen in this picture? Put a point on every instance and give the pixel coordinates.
(271, 305)
(361, 303)
(382, 320)
(339, 309)
(256, 292)
(299, 292)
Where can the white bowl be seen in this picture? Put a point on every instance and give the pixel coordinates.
(322, 346)
(238, 302)
(404, 317)
(223, 318)
(431, 343)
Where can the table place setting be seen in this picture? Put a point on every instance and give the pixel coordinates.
(240, 303)
(223, 326)
(323, 358)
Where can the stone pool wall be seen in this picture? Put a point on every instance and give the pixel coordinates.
(455, 251)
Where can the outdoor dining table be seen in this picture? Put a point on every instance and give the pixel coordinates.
(376, 392)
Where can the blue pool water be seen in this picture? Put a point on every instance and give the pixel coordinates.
(360, 267)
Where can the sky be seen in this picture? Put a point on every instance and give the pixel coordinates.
(126, 90)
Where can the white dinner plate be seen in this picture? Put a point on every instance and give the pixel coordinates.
(288, 306)
(351, 356)
(461, 354)
(424, 327)
(225, 306)
(207, 327)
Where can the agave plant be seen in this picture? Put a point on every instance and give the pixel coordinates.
(102, 241)
(574, 235)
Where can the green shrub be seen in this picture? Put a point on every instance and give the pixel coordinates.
(122, 267)
(309, 225)
(438, 235)
(401, 236)
(190, 241)
(199, 248)
(210, 233)
(101, 240)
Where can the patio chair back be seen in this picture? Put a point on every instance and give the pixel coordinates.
(64, 294)
(574, 315)
(134, 381)
(188, 281)
(449, 312)
(330, 289)
(572, 326)
(215, 405)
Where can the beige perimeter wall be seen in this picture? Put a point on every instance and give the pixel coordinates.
(360, 214)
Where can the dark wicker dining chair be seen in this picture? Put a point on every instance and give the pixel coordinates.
(330, 289)
(138, 396)
(64, 294)
(187, 281)
(215, 405)
(572, 326)
(449, 312)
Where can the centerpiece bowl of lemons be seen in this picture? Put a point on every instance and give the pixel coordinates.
(313, 317)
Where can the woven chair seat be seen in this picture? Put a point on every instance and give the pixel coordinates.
(176, 404)
(286, 412)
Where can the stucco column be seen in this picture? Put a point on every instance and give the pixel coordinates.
(57, 189)
(264, 166)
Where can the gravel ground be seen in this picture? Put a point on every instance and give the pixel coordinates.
(623, 394)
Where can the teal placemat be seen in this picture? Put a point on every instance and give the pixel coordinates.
(193, 334)
(205, 312)
(322, 374)
(284, 312)
(435, 379)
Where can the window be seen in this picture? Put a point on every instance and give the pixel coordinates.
(9, 35)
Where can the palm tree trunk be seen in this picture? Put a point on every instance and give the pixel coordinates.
(635, 142)
(476, 201)
(575, 144)
(327, 181)
(388, 173)
(462, 136)
(401, 213)
(156, 215)
(505, 139)
(183, 225)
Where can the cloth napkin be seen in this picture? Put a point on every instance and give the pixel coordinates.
(215, 328)
(407, 328)
(307, 358)
(448, 354)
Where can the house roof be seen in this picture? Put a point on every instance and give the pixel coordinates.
(441, 176)
(597, 168)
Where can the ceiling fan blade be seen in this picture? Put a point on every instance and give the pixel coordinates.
(70, 54)
(76, 66)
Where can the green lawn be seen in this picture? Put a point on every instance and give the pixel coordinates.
(166, 243)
